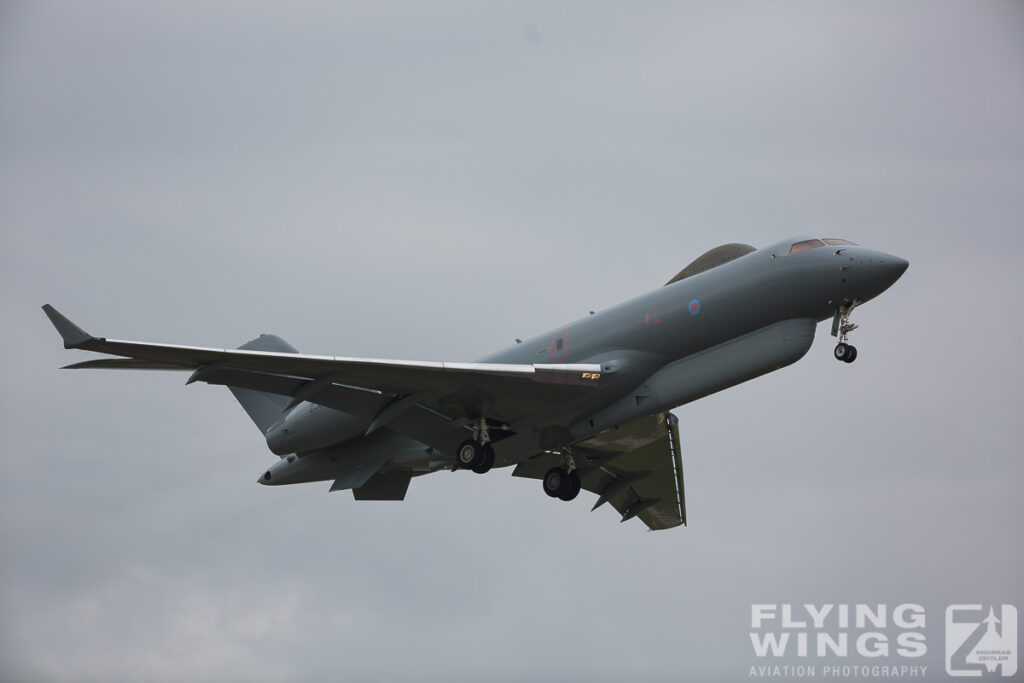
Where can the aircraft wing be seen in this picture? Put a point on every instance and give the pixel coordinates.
(419, 398)
(636, 467)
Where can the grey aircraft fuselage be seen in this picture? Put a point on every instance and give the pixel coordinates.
(660, 350)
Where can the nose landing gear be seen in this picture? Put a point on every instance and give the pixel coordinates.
(841, 327)
(845, 352)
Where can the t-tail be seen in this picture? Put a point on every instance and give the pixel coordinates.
(264, 408)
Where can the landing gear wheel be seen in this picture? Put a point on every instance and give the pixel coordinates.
(841, 327)
(572, 486)
(554, 481)
(487, 462)
(469, 455)
(561, 484)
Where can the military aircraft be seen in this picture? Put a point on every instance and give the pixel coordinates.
(583, 406)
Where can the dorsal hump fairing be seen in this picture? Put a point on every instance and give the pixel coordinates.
(712, 259)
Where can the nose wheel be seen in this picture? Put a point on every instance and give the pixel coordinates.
(841, 327)
(845, 352)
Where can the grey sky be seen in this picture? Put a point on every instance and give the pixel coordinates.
(431, 181)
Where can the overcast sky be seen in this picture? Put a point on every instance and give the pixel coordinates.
(430, 181)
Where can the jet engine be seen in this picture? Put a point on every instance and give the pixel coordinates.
(309, 426)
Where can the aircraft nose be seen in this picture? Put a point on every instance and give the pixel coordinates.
(265, 478)
(894, 267)
(880, 271)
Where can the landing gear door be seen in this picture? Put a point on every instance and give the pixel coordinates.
(560, 346)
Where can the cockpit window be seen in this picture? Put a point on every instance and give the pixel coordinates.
(814, 244)
(806, 244)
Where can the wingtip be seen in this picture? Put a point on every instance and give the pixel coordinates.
(73, 335)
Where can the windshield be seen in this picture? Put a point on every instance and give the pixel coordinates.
(806, 244)
(813, 244)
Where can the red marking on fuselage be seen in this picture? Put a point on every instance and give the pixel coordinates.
(564, 336)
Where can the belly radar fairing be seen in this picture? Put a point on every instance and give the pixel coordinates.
(583, 406)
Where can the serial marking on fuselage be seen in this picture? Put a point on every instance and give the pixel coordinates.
(560, 347)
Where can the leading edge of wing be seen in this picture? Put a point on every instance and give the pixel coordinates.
(166, 356)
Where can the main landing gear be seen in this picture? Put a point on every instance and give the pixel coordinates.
(563, 482)
(476, 454)
(841, 327)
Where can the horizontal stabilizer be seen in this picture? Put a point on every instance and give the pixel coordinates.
(391, 486)
(358, 475)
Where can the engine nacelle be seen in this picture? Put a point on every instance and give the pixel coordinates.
(309, 426)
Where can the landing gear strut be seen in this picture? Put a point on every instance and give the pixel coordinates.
(476, 454)
(841, 327)
(563, 482)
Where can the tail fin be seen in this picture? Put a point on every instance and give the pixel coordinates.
(264, 408)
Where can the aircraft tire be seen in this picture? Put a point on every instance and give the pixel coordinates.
(469, 455)
(572, 486)
(554, 481)
(851, 355)
(842, 351)
(486, 462)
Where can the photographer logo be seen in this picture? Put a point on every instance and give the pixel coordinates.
(981, 640)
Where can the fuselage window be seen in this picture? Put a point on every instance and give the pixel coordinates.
(835, 241)
(806, 244)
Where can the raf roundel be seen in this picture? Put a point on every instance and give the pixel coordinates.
(695, 307)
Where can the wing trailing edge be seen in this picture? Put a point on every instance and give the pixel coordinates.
(636, 467)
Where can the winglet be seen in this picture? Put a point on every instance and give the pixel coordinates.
(73, 335)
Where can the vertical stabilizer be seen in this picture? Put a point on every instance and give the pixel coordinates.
(264, 408)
